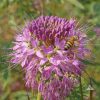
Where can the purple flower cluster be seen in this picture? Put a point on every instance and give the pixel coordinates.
(40, 50)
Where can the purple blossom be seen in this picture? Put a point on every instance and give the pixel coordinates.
(97, 30)
(40, 50)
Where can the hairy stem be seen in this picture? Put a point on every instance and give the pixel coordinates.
(81, 90)
(39, 96)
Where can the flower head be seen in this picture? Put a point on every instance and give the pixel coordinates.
(40, 50)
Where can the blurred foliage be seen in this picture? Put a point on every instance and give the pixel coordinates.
(14, 13)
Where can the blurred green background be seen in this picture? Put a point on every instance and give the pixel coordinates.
(14, 14)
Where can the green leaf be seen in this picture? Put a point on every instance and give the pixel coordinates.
(6, 75)
(22, 95)
(59, 1)
(96, 8)
(76, 3)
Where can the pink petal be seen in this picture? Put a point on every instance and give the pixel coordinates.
(54, 61)
(39, 54)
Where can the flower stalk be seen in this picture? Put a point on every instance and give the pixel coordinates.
(81, 90)
(39, 96)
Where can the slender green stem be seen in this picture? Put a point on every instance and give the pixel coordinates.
(32, 91)
(39, 96)
(81, 90)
